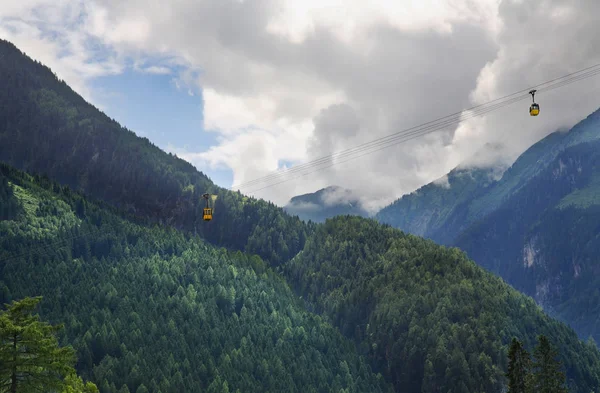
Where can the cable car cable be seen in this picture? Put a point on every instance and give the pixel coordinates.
(410, 137)
(481, 105)
(418, 133)
(350, 159)
(402, 133)
(594, 71)
(312, 164)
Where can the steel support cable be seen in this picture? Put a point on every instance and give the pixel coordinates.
(591, 71)
(418, 133)
(403, 140)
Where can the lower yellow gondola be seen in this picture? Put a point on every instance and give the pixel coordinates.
(207, 214)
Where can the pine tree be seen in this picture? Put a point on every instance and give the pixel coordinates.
(76, 385)
(30, 357)
(519, 367)
(548, 377)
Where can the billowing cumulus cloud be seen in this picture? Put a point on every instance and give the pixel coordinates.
(442, 181)
(337, 196)
(51, 31)
(291, 81)
(539, 41)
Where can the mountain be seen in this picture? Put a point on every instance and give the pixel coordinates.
(151, 294)
(535, 227)
(426, 212)
(45, 127)
(152, 309)
(544, 238)
(442, 210)
(152, 306)
(428, 317)
(325, 203)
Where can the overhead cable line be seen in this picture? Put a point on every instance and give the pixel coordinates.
(480, 111)
(425, 128)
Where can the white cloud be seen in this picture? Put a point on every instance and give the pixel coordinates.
(530, 53)
(338, 195)
(231, 114)
(307, 207)
(290, 81)
(442, 182)
(51, 32)
(349, 20)
(156, 70)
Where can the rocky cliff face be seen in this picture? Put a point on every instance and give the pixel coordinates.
(543, 240)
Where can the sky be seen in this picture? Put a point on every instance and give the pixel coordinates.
(241, 88)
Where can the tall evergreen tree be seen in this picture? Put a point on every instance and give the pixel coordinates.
(548, 376)
(30, 357)
(519, 367)
(74, 384)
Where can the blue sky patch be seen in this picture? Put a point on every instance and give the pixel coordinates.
(152, 106)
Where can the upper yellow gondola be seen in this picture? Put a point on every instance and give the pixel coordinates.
(534, 109)
(210, 207)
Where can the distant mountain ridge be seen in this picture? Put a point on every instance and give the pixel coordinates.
(427, 210)
(326, 203)
(515, 226)
(477, 196)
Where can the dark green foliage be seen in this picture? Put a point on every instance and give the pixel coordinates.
(157, 310)
(519, 368)
(547, 247)
(9, 206)
(544, 375)
(46, 127)
(76, 385)
(428, 317)
(30, 357)
(547, 374)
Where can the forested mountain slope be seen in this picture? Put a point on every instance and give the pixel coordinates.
(429, 318)
(544, 239)
(537, 226)
(154, 310)
(428, 209)
(46, 127)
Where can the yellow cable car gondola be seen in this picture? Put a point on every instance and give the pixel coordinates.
(534, 109)
(208, 210)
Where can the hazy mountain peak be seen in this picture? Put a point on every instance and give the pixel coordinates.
(325, 203)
